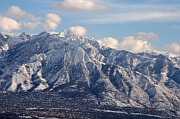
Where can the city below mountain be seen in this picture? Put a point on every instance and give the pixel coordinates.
(61, 75)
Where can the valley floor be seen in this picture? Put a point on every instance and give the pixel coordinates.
(69, 106)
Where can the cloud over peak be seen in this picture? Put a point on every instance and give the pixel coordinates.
(135, 43)
(139, 42)
(79, 5)
(173, 48)
(110, 42)
(132, 44)
(77, 31)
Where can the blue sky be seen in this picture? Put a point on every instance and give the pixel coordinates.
(134, 25)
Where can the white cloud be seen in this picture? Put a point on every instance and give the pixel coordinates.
(17, 13)
(16, 18)
(121, 13)
(110, 42)
(31, 25)
(173, 48)
(79, 5)
(8, 24)
(52, 21)
(77, 30)
(132, 44)
(136, 16)
(146, 36)
(145, 7)
(136, 43)
(25, 19)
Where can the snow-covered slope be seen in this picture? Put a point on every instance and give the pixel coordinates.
(63, 62)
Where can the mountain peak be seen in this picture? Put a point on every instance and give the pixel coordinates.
(43, 34)
(1, 36)
(22, 34)
(63, 33)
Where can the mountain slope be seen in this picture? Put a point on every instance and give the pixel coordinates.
(67, 63)
(150, 79)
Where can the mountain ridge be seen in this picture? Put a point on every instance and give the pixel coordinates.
(66, 63)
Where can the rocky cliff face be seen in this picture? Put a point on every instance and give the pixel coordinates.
(67, 63)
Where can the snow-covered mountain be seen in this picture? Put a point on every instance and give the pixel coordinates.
(66, 63)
